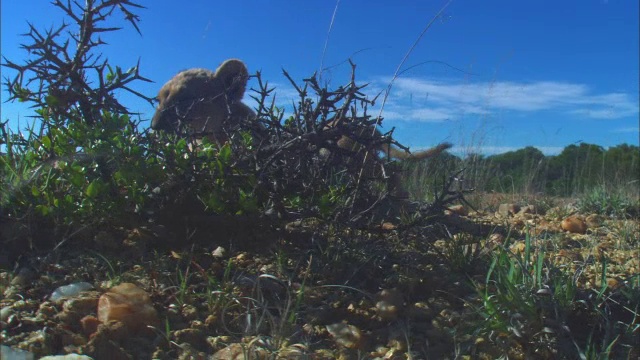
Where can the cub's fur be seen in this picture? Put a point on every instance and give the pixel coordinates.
(204, 102)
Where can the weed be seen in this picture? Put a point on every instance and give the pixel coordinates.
(463, 253)
(606, 202)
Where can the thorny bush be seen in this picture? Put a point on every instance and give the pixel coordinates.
(88, 166)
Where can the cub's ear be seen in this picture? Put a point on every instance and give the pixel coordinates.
(233, 75)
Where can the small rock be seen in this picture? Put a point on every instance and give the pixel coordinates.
(5, 312)
(506, 210)
(14, 354)
(219, 252)
(129, 304)
(238, 351)
(89, 324)
(66, 357)
(459, 209)
(389, 304)
(71, 290)
(346, 335)
(574, 224)
(387, 226)
(528, 209)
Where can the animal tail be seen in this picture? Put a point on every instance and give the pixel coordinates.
(425, 154)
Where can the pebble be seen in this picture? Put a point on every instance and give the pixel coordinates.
(70, 290)
(346, 335)
(507, 210)
(7, 353)
(219, 252)
(5, 312)
(574, 224)
(389, 304)
(239, 352)
(67, 357)
(459, 210)
(128, 304)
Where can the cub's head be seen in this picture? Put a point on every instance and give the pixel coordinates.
(204, 102)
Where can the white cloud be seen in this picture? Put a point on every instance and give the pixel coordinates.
(419, 114)
(419, 100)
(429, 100)
(627, 130)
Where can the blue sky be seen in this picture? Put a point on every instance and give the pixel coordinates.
(489, 76)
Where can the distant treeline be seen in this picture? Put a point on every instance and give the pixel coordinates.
(577, 169)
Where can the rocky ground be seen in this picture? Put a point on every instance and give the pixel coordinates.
(309, 289)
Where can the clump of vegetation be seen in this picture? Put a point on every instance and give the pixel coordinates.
(82, 160)
(612, 203)
(533, 306)
(85, 173)
(85, 164)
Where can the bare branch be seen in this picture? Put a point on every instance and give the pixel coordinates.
(73, 82)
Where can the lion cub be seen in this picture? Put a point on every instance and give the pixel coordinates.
(203, 102)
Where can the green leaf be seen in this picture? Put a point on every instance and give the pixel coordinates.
(52, 100)
(46, 142)
(77, 179)
(225, 153)
(43, 209)
(94, 188)
(181, 145)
